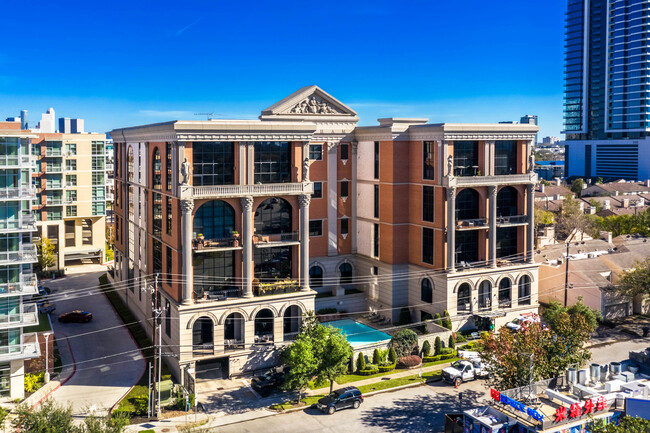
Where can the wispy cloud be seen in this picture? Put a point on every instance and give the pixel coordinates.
(167, 113)
(180, 32)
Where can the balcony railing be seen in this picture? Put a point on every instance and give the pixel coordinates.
(473, 181)
(471, 224)
(24, 223)
(28, 285)
(203, 349)
(26, 253)
(217, 295)
(54, 201)
(267, 241)
(233, 345)
(29, 348)
(15, 161)
(512, 220)
(17, 193)
(28, 316)
(53, 152)
(53, 169)
(207, 245)
(269, 189)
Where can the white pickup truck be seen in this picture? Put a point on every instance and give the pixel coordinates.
(464, 370)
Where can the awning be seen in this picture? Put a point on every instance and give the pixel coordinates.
(491, 314)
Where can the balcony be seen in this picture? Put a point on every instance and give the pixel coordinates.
(210, 295)
(26, 253)
(28, 316)
(109, 167)
(472, 224)
(15, 161)
(512, 221)
(269, 189)
(109, 196)
(53, 169)
(474, 181)
(24, 223)
(53, 152)
(208, 245)
(231, 345)
(28, 285)
(29, 348)
(281, 239)
(54, 201)
(17, 193)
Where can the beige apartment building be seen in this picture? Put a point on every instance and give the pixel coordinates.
(70, 205)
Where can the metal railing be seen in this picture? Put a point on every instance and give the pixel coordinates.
(17, 193)
(270, 189)
(276, 238)
(15, 161)
(54, 200)
(233, 345)
(27, 316)
(23, 223)
(217, 295)
(26, 253)
(231, 242)
(471, 223)
(29, 348)
(27, 285)
(515, 219)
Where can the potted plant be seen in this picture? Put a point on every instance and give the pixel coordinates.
(235, 234)
(200, 237)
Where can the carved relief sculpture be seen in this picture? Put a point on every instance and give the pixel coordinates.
(186, 172)
(313, 105)
(450, 166)
(305, 170)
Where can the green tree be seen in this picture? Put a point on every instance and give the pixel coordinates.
(426, 348)
(598, 205)
(452, 342)
(446, 322)
(572, 219)
(46, 257)
(403, 342)
(376, 357)
(552, 313)
(637, 281)
(437, 320)
(335, 356)
(544, 217)
(577, 185)
(437, 346)
(301, 362)
(627, 424)
(392, 355)
(361, 362)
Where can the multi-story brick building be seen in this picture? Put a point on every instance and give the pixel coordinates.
(17, 255)
(70, 206)
(250, 223)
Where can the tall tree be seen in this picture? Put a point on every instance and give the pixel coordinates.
(572, 219)
(45, 250)
(577, 185)
(335, 356)
(301, 362)
(627, 424)
(552, 314)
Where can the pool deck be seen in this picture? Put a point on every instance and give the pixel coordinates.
(359, 334)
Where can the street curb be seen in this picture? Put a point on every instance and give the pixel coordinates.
(64, 381)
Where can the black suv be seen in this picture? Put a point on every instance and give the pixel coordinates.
(341, 399)
(268, 382)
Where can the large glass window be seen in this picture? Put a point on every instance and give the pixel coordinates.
(318, 190)
(376, 174)
(426, 291)
(168, 211)
(130, 164)
(507, 243)
(346, 273)
(273, 216)
(465, 158)
(272, 162)
(213, 163)
(427, 245)
(427, 203)
(507, 202)
(168, 154)
(156, 177)
(463, 304)
(466, 246)
(98, 148)
(71, 164)
(485, 295)
(98, 162)
(505, 293)
(98, 178)
(428, 163)
(315, 228)
(524, 290)
(213, 271)
(467, 204)
(316, 276)
(214, 219)
(157, 256)
(505, 158)
(272, 263)
(157, 214)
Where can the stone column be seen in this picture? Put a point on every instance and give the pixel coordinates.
(493, 227)
(247, 244)
(451, 229)
(188, 274)
(530, 233)
(304, 241)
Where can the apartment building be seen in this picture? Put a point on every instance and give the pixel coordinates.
(251, 223)
(17, 256)
(70, 206)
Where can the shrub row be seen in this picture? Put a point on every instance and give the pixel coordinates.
(440, 357)
(370, 369)
(385, 368)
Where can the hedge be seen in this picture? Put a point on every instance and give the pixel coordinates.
(385, 368)
(370, 369)
(440, 357)
(410, 361)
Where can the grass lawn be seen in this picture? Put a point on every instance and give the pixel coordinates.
(429, 364)
(392, 383)
(347, 378)
(43, 324)
(308, 401)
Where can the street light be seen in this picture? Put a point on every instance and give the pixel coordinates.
(46, 379)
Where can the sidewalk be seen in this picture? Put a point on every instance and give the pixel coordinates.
(220, 419)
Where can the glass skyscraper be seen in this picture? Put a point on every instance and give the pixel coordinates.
(607, 80)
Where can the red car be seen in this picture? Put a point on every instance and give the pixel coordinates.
(77, 316)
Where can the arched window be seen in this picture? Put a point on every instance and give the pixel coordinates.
(485, 295)
(202, 336)
(316, 276)
(464, 298)
(505, 293)
(214, 220)
(507, 202)
(346, 273)
(426, 291)
(273, 216)
(264, 326)
(524, 290)
(467, 204)
(292, 321)
(233, 331)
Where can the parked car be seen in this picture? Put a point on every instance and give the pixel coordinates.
(341, 399)
(464, 370)
(269, 381)
(46, 308)
(77, 316)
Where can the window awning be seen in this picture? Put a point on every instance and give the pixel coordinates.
(491, 314)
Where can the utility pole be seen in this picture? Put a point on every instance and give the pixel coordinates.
(566, 271)
(157, 340)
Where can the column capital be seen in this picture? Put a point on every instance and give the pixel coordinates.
(187, 205)
(247, 203)
(304, 200)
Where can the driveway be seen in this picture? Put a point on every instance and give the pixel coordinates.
(107, 360)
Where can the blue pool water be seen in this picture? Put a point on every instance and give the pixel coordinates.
(359, 334)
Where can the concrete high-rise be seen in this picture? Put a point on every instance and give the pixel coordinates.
(606, 115)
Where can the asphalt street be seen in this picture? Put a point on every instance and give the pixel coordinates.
(107, 361)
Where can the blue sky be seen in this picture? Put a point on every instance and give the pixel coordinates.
(118, 63)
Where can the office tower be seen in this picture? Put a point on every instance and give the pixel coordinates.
(606, 115)
(17, 256)
(251, 223)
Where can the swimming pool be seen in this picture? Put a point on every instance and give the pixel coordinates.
(359, 334)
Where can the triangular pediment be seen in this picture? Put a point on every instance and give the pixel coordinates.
(310, 101)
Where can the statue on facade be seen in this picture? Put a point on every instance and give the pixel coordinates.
(186, 172)
(305, 170)
(531, 161)
(450, 165)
